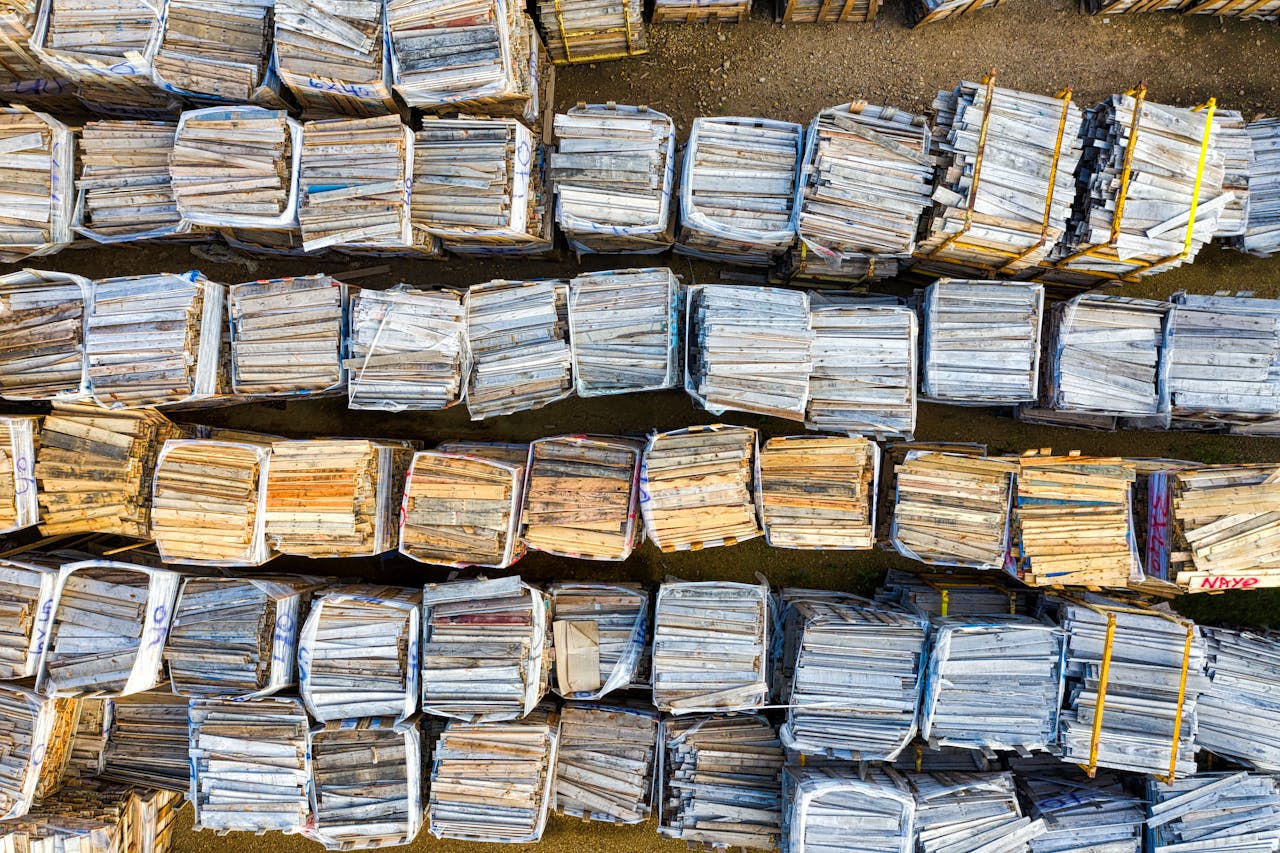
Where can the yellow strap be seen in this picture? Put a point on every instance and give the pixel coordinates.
(919, 758)
(1210, 108)
(1182, 694)
(1096, 737)
(1013, 604)
(990, 82)
(1139, 98)
(626, 21)
(946, 602)
(564, 37)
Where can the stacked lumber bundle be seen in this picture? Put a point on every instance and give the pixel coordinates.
(236, 167)
(840, 808)
(1149, 190)
(1007, 163)
(710, 647)
(358, 653)
(486, 653)
(261, 739)
(236, 637)
(719, 784)
(1262, 227)
(107, 631)
(1267, 10)
(215, 51)
(601, 633)
(332, 58)
(148, 741)
(865, 184)
(1103, 357)
(90, 741)
(94, 469)
(366, 783)
(981, 342)
(493, 781)
(479, 185)
(591, 31)
(954, 594)
(408, 349)
(856, 687)
(827, 11)
(971, 812)
(461, 509)
(1223, 357)
(605, 762)
(19, 503)
(818, 492)
(507, 454)
(1073, 525)
(1226, 527)
(334, 497)
(701, 12)
(696, 487)
(1081, 814)
(863, 378)
(953, 510)
(37, 734)
(155, 339)
(124, 191)
(993, 683)
(43, 317)
(24, 78)
(1233, 141)
(26, 596)
(1124, 7)
(748, 349)
(1231, 811)
(581, 497)
(613, 172)
(1133, 680)
(1238, 717)
(738, 190)
(929, 11)
(98, 816)
(789, 630)
(38, 195)
(287, 335)
(206, 506)
(624, 327)
(354, 179)
(519, 339)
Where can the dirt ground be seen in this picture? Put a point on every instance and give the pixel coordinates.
(760, 68)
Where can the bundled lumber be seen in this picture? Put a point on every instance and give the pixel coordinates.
(1007, 163)
(1228, 811)
(738, 190)
(818, 492)
(953, 510)
(264, 741)
(790, 630)
(19, 503)
(24, 78)
(96, 816)
(696, 487)
(1081, 815)
(507, 454)
(613, 173)
(26, 604)
(1232, 139)
(839, 808)
(1268, 10)
(461, 509)
(44, 317)
(895, 453)
(1262, 225)
(124, 191)
(107, 631)
(600, 632)
(94, 470)
(479, 185)
(366, 783)
(90, 741)
(332, 58)
(581, 497)
(865, 184)
(1238, 717)
(919, 757)
(354, 179)
(278, 242)
(1073, 524)
(710, 647)
(624, 327)
(1223, 356)
(236, 637)
(1148, 190)
(237, 167)
(592, 31)
(38, 196)
(929, 11)
(993, 683)
(954, 594)
(518, 334)
(749, 349)
(207, 503)
(720, 781)
(148, 740)
(605, 762)
(358, 653)
(699, 12)
(857, 676)
(486, 653)
(215, 51)
(1133, 680)
(287, 335)
(971, 812)
(1226, 527)
(826, 11)
(981, 342)
(37, 739)
(407, 349)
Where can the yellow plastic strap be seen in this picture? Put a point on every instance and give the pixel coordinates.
(919, 758)
(1013, 604)
(1182, 694)
(626, 21)
(1096, 736)
(1139, 98)
(990, 82)
(564, 37)
(946, 601)
(1210, 108)
(1053, 166)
